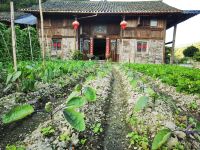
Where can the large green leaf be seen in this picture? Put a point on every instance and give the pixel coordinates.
(8, 78)
(161, 138)
(76, 102)
(90, 94)
(16, 75)
(141, 103)
(134, 83)
(17, 113)
(149, 91)
(75, 119)
(73, 94)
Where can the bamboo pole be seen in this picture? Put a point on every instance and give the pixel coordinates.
(30, 41)
(42, 30)
(13, 35)
(173, 45)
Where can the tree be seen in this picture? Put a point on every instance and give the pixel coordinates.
(190, 51)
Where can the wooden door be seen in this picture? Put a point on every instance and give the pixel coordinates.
(113, 50)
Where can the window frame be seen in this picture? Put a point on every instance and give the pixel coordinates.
(142, 50)
(58, 40)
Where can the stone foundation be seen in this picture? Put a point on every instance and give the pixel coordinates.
(128, 51)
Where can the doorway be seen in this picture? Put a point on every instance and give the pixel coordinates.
(100, 49)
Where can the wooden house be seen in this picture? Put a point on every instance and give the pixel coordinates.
(99, 33)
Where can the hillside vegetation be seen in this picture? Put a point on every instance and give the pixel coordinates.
(179, 51)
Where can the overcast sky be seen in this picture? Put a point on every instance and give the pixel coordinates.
(188, 32)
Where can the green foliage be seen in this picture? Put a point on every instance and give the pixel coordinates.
(141, 103)
(11, 79)
(193, 106)
(77, 55)
(83, 141)
(190, 51)
(49, 107)
(184, 79)
(141, 141)
(161, 138)
(76, 102)
(18, 4)
(47, 131)
(32, 72)
(64, 137)
(17, 113)
(75, 119)
(76, 99)
(134, 83)
(96, 128)
(22, 44)
(14, 147)
(89, 94)
(197, 56)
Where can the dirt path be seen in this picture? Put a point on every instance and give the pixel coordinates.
(116, 129)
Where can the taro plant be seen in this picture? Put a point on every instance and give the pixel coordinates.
(141, 103)
(17, 113)
(161, 138)
(11, 80)
(78, 98)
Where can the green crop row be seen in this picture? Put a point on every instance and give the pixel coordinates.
(31, 72)
(184, 79)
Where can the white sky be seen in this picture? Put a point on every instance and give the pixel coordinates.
(188, 32)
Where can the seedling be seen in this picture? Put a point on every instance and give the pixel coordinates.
(47, 131)
(96, 128)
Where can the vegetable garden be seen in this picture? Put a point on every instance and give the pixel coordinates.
(88, 105)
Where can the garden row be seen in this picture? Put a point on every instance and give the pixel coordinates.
(157, 119)
(184, 79)
(60, 78)
(67, 127)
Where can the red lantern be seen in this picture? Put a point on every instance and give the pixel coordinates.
(75, 24)
(123, 25)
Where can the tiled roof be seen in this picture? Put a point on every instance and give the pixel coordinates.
(5, 16)
(102, 7)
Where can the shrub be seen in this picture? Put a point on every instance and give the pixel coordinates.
(77, 55)
(190, 51)
(197, 56)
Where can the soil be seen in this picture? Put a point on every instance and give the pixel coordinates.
(116, 129)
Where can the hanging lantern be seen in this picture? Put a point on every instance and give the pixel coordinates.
(75, 24)
(123, 25)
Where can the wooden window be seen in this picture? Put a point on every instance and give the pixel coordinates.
(154, 23)
(144, 22)
(147, 22)
(56, 44)
(141, 46)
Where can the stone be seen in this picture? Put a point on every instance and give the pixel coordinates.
(172, 142)
(180, 134)
(170, 125)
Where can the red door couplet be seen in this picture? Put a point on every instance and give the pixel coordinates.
(91, 46)
(107, 48)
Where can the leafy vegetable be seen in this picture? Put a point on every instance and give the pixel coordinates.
(76, 102)
(90, 94)
(75, 119)
(161, 138)
(17, 113)
(141, 103)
